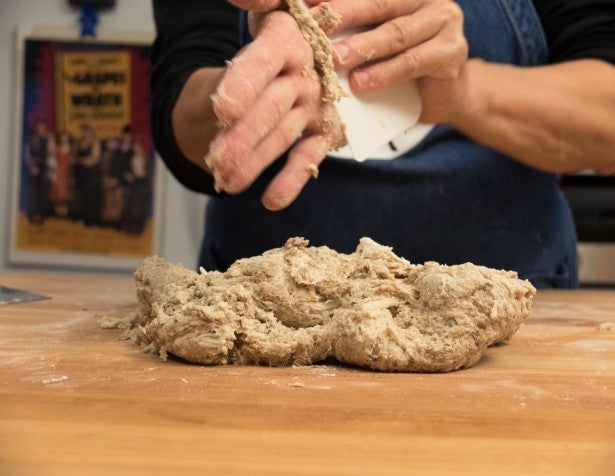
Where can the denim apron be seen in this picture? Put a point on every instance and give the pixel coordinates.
(448, 199)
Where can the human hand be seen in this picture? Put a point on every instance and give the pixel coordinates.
(413, 39)
(268, 101)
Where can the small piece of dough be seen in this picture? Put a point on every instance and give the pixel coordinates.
(298, 305)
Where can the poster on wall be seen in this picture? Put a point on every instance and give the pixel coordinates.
(86, 186)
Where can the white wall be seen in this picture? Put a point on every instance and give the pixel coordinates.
(182, 210)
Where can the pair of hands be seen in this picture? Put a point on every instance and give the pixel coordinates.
(267, 103)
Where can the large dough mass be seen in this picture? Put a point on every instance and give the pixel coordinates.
(298, 305)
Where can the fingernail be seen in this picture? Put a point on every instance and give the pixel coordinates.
(342, 52)
(277, 203)
(222, 122)
(361, 78)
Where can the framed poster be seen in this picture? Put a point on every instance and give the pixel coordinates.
(87, 190)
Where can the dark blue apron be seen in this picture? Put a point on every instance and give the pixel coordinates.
(448, 200)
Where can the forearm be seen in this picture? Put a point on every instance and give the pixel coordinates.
(191, 35)
(557, 118)
(193, 119)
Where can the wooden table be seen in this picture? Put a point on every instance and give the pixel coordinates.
(76, 400)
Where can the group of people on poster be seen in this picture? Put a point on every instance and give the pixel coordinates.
(101, 182)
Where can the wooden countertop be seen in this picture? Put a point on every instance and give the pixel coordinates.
(76, 400)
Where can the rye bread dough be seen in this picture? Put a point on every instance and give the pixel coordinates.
(298, 305)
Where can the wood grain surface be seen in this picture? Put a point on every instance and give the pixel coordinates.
(76, 400)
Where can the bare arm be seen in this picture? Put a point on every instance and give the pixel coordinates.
(194, 122)
(557, 118)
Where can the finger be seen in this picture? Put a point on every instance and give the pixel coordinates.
(399, 34)
(302, 164)
(279, 141)
(355, 13)
(441, 57)
(254, 68)
(233, 147)
(274, 146)
(388, 39)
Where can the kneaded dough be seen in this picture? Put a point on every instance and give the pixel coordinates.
(298, 305)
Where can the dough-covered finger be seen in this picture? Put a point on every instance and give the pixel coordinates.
(272, 147)
(255, 67)
(301, 166)
(237, 151)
